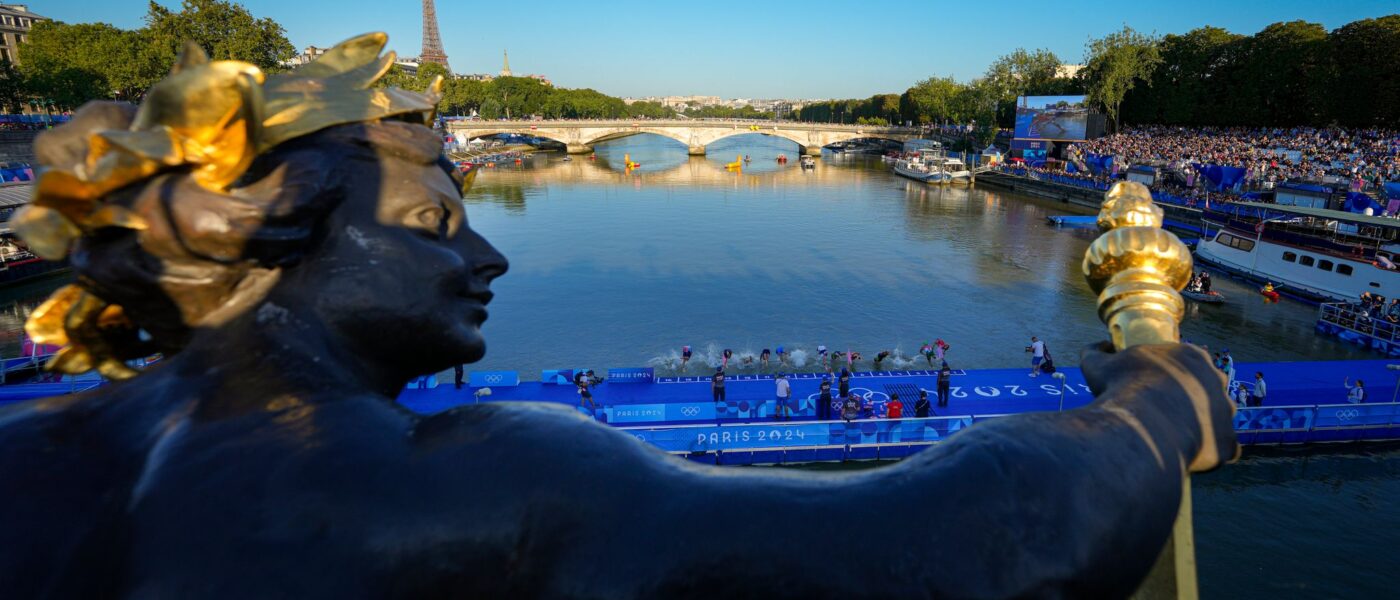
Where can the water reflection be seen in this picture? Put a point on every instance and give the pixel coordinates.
(618, 267)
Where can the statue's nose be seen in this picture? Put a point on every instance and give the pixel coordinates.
(487, 262)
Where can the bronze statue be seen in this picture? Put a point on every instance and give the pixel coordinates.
(296, 247)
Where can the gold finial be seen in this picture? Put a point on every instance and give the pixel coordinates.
(1137, 268)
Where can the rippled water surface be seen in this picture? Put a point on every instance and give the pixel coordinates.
(613, 268)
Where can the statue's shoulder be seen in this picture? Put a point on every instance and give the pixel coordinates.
(510, 424)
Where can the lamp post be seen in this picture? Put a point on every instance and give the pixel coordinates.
(1060, 376)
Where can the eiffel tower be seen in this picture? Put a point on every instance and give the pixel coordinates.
(432, 44)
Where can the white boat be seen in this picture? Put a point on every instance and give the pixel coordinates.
(932, 165)
(1314, 253)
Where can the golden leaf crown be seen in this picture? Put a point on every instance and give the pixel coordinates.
(211, 119)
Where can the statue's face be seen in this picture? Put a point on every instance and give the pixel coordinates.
(401, 277)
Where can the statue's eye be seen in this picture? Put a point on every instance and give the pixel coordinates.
(431, 221)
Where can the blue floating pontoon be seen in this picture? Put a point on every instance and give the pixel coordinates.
(1306, 404)
(1073, 220)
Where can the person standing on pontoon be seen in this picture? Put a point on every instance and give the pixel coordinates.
(584, 395)
(1356, 394)
(1037, 350)
(784, 395)
(850, 408)
(824, 400)
(944, 384)
(717, 386)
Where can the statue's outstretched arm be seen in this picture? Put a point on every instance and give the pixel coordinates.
(1078, 503)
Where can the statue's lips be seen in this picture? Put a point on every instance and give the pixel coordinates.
(477, 303)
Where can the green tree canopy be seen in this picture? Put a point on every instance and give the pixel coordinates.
(1115, 64)
(1366, 59)
(73, 63)
(225, 30)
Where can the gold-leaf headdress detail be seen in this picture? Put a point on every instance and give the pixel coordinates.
(211, 118)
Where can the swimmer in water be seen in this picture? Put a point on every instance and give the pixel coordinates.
(685, 357)
(763, 358)
(727, 353)
(826, 360)
(880, 358)
(927, 351)
(782, 356)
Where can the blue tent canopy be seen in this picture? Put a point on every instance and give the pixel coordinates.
(1358, 202)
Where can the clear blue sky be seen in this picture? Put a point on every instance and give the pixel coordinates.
(748, 49)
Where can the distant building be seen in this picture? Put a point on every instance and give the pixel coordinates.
(408, 66)
(311, 53)
(505, 68)
(15, 23)
(1067, 71)
(477, 77)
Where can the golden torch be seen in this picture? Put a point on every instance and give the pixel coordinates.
(1137, 269)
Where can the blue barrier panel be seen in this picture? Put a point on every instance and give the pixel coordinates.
(1355, 416)
(635, 375)
(496, 378)
(1266, 418)
(709, 438)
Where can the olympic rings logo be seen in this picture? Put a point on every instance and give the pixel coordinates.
(690, 411)
(1348, 414)
(497, 378)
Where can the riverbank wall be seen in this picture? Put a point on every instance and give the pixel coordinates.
(17, 146)
(1180, 219)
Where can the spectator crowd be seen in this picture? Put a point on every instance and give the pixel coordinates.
(1363, 157)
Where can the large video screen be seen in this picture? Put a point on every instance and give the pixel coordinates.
(1052, 117)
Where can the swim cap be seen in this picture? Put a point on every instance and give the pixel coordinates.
(685, 348)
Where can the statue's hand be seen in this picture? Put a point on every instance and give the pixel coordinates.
(1162, 375)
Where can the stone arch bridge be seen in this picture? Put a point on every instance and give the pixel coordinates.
(580, 136)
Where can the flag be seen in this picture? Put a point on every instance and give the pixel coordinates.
(1259, 227)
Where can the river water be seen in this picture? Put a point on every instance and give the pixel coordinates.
(613, 267)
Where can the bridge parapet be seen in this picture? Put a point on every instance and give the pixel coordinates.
(579, 136)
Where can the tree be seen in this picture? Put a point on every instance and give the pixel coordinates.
(115, 61)
(225, 30)
(1022, 73)
(1286, 75)
(13, 92)
(1365, 58)
(1190, 85)
(1115, 63)
(931, 100)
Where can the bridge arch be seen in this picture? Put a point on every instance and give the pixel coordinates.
(623, 132)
